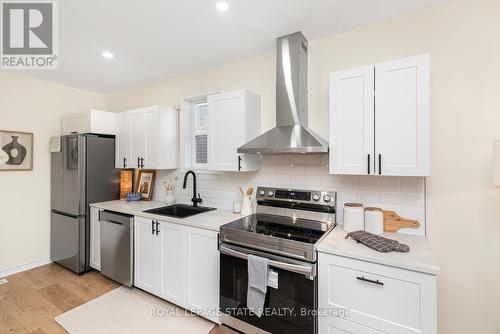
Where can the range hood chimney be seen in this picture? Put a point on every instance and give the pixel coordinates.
(291, 134)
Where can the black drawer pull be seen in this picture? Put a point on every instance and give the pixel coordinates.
(367, 280)
(368, 164)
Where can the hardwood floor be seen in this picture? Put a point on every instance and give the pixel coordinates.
(31, 300)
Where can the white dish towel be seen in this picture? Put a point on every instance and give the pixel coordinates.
(257, 284)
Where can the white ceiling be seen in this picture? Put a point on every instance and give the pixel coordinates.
(158, 39)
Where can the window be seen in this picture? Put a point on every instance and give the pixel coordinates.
(200, 113)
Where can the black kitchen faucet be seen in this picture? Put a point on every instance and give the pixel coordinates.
(195, 199)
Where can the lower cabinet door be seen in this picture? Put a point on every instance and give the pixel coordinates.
(146, 255)
(202, 294)
(172, 259)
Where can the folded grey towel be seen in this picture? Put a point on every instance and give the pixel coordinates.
(378, 243)
(257, 284)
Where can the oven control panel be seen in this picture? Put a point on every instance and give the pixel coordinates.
(294, 195)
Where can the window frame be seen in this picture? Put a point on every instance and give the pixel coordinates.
(195, 132)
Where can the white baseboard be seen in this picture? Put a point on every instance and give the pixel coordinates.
(22, 267)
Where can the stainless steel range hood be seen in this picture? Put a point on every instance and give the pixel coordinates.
(291, 134)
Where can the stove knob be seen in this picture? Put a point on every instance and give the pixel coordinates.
(262, 193)
(316, 197)
(327, 198)
(270, 193)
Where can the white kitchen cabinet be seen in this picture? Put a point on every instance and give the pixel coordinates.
(352, 136)
(380, 299)
(91, 121)
(172, 262)
(202, 272)
(215, 128)
(147, 257)
(95, 239)
(379, 119)
(123, 141)
(179, 264)
(233, 120)
(150, 138)
(402, 116)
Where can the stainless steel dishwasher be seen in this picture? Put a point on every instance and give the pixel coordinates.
(117, 246)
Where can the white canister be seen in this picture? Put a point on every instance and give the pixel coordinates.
(374, 220)
(246, 205)
(237, 205)
(354, 217)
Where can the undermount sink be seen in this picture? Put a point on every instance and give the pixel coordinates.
(180, 210)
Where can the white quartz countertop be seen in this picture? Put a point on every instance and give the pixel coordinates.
(420, 257)
(210, 220)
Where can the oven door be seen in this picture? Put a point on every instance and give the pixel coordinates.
(289, 308)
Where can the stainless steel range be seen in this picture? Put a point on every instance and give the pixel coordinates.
(286, 230)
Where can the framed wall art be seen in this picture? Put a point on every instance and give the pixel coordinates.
(16, 151)
(145, 183)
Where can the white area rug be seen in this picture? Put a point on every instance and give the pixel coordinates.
(125, 310)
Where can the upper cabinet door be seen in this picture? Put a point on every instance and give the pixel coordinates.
(138, 133)
(402, 117)
(352, 121)
(150, 157)
(225, 121)
(123, 141)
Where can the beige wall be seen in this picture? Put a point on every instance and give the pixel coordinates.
(463, 207)
(33, 106)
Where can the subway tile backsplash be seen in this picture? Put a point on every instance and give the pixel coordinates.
(405, 195)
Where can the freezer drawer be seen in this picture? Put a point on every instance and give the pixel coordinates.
(117, 246)
(67, 246)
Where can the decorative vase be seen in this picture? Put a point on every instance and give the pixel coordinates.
(16, 152)
(169, 197)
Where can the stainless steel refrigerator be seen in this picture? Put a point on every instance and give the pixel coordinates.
(83, 172)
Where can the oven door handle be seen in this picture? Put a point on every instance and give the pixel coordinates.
(307, 270)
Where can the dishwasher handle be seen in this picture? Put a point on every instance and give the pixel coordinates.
(116, 218)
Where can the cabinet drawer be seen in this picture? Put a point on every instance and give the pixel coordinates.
(379, 297)
(341, 326)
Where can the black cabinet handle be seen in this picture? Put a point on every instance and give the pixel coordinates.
(362, 278)
(368, 164)
(142, 162)
(138, 162)
(124, 162)
(380, 164)
(239, 162)
(157, 227)
(152, 227)
(218, 241)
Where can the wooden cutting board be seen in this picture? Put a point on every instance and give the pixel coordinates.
(393, 222)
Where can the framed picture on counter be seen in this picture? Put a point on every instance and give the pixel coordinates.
(16, 151)
(145, 183)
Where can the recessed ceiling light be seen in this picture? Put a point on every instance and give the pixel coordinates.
(222, 6)
(107, 54)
